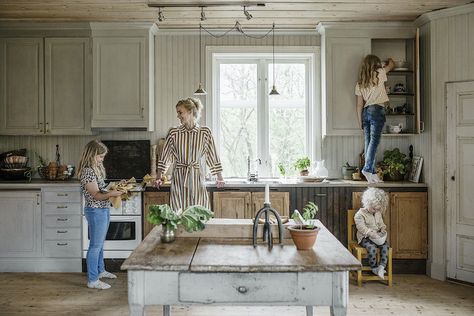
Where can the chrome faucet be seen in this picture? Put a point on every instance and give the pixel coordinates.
(252, 177)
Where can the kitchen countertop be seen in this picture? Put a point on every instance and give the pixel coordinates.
(35, 184)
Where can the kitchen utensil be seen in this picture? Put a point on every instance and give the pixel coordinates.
(395, 129)
(320, 171)
(399, 88)
(347, 171)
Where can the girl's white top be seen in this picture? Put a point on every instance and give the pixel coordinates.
(374, 94)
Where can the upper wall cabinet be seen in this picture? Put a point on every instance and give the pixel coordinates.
(343, 47)
(45, 86)
(123, 76)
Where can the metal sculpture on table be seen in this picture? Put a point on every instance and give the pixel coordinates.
(267, 230)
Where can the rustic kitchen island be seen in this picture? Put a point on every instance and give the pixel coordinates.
(220, 266)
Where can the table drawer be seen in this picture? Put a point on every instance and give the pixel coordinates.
(62, 248)
(237, 287)
(62, 196)
(62, 220)
(62, 233)
(62, 208)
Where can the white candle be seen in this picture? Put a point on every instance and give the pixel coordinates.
(267, 194)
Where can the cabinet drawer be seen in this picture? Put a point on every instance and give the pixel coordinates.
(62, 208)
(62, 248)
(62, 197)
(237, 287)
(62, 233)
(62, 221)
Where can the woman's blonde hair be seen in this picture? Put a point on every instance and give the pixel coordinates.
(193, 105)
(91, 150)
(374, 197)
(368, 74)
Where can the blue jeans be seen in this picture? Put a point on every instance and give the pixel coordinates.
(373, 120)
(98, 223)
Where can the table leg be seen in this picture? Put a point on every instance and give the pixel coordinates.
(135, 293)
(136, 310)
(340, 293)
(166, 310)
(309, 310)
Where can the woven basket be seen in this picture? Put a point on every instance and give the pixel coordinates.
(44, 174)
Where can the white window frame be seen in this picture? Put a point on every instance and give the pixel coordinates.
(310, 55)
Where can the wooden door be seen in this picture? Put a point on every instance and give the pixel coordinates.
(151, 198)
(21, 86)
(67, 86)
(460, 171)
(20, 227)
(119, 72)
(409, 219)
(280, 201)
(357, 204)
(231, 204)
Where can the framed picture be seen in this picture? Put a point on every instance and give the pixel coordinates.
(415, 171)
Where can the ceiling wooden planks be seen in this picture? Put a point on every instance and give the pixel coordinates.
(220, 13)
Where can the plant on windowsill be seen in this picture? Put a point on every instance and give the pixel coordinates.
(302, 165)
(305, 232)
(394, 165)
(192, 219)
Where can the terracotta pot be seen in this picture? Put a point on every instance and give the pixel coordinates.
(305, 238)
(304, 173)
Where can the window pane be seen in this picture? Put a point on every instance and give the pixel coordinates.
(238, 117)
(287, 116)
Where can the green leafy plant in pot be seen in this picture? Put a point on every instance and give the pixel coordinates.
(302, 165)
(192, 219)
(394, 165)
(305, 232)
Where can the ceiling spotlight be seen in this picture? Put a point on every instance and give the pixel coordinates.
(161, 16)
(247, 14)
(203, 15)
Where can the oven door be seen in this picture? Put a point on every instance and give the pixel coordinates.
(124, 234)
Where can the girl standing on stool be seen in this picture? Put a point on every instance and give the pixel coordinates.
(91, 173)
(371, 96)
(371, 230)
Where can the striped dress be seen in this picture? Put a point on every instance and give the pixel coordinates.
(188, 150)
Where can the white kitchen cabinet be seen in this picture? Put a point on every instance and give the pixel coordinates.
(20, 227)
(123, 75)
(46, 90)
(343, 47)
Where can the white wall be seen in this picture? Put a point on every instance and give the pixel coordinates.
(448, 55)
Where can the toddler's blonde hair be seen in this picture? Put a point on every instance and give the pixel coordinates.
(91, 150)
(193, 105)
(368, 74)
(373, 197)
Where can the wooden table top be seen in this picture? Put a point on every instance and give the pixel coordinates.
(226, 246)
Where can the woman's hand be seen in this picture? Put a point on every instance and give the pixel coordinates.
(373, 234)
(220, 183)
(114, 193)
(158, 183)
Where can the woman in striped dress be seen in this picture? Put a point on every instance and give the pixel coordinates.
(188, 147)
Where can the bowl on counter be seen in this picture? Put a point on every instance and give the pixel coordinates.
(401, 65)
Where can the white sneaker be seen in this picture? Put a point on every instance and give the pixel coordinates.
(368, 176)
(376, 178)
(98, 285)
(381, 272)
(107, 275)
(375, 271)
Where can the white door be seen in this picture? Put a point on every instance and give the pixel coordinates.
(460, 173)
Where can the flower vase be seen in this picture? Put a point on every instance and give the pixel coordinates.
(167, 234)
(321, 171)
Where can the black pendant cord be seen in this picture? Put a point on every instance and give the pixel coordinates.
(273, 52)
(238, 28)
(200, 48)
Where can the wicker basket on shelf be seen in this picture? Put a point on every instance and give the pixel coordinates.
(47, 173)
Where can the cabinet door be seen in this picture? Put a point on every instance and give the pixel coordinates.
(67, 86)
(119, 78)
(280, 201)
(20, 227)
(21, 86)
(408, 213)
(151, 198)
(231, 204)
(342, 60)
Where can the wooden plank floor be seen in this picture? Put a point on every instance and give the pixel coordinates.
(66, 294)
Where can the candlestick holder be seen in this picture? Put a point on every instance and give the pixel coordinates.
(267, 231)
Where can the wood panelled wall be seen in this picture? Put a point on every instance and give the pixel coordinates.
(176, 77)
(448, 55)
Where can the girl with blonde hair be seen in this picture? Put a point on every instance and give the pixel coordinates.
(91, 173)
(188, 147)
(371, 99)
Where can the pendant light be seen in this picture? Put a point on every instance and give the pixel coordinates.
(200, 90)
(274, 90)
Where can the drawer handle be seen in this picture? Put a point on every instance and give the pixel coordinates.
(61, 206)
(320, 194)
(61, 231)
(242, 289)
(62, 194)
(61, 243)
(62, 219)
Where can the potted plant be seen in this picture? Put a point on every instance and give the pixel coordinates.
(305, 232)
(192, 219)
(394, 165)
(302, 165)
(282, 169)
